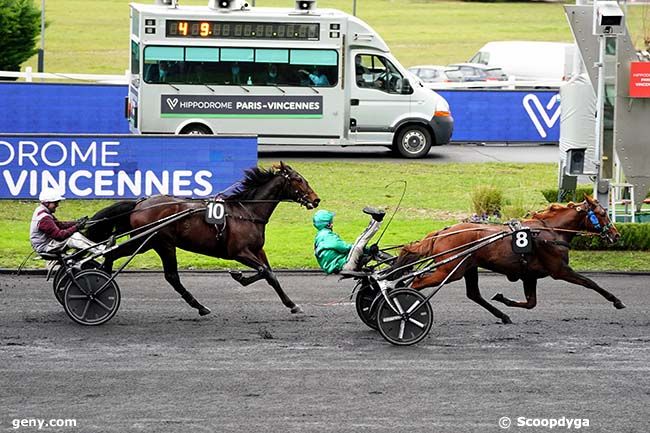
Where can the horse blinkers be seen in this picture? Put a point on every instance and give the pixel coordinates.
(606, 230)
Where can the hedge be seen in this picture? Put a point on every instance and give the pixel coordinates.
(634, 237)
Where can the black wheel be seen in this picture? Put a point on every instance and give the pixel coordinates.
(86, 302)
(196, 130)
(365, 297)
(413, 141)
(61, 279)
(412, 321)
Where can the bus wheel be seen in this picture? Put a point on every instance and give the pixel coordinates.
(413, 141)
(196, 130)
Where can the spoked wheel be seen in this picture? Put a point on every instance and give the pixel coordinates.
(410, 323)
(61, 279)
(88, 300)
(365, 297)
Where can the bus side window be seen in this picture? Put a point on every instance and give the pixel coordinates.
(314, 68)
(162, 64)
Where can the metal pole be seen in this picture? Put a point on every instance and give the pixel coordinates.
(600, 111)
(41, 51)
(354, 8)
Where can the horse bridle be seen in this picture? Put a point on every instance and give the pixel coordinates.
(301, 198)
(593, 220)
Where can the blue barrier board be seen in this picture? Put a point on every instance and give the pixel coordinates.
(504, 115)
(479, 115)
(122, 166)
(43, 108)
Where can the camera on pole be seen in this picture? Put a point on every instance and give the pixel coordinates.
(609, 18)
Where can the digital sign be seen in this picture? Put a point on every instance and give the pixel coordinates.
(241, 30)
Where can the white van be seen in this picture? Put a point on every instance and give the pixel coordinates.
(301, 76)
(550, 62)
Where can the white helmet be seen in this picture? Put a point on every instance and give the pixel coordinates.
(50, 195)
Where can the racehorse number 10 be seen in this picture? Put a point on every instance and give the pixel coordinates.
(216, 213)
(521, 243)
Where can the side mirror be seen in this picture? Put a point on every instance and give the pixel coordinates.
(406, 87)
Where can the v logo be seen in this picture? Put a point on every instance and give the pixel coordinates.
(172, 103)
(536, 110)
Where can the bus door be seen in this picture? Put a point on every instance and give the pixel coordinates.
(376, 98)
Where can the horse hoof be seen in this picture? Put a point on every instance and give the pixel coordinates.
(203, 311)
(296, 310)
(506, 320)
(498, 297)
(619, 305)
(236, 275)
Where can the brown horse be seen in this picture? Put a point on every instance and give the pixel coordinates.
(247, 214)
(552, 231)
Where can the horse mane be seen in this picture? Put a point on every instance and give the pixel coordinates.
(254, 178)
(552, 210)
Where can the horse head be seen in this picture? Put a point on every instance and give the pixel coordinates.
(597, 220)
(296, 187)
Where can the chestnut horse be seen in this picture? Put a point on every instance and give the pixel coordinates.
(247, 214)
(552, 231)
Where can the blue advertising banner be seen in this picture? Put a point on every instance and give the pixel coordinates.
(480, 115)
(51, 108)
(122, 166)
(504, 115)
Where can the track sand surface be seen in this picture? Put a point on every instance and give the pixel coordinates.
(251, 366)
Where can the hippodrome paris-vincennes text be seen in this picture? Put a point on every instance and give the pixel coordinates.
(89, 168)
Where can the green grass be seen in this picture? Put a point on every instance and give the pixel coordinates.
(436, 196)
(92, 36)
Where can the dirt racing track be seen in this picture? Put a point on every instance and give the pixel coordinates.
(251, 366)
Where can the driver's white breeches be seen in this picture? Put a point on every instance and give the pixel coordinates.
(76, 241)
(357, 248)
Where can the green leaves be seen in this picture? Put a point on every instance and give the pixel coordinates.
(19, 27)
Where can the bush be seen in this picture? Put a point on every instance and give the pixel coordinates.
(19, 26)
(551, 194)
(487, 200)
(634, 237)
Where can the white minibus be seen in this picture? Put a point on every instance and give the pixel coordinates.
(294, 76)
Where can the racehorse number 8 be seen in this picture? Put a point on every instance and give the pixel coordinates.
(521, 242)
(215, 213)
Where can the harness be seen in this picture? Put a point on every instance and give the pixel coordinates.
(221, 222)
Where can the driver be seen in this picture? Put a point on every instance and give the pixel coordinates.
(49, 235)
(333, 253)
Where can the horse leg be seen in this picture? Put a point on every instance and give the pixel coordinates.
(474, 293)
(167, 255)
(530, 290)
(264, 271)
(571, 276)
(245, 281)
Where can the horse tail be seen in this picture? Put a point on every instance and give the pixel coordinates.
(113, 220)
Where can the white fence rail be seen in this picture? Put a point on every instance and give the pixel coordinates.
(29, 76)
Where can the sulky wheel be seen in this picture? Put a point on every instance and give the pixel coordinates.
(88, 300)
(61, 278)
(365, 297)
(412, 321)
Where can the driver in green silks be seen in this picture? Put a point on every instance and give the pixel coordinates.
(333, 253)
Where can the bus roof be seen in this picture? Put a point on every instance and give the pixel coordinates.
(205, 12)
(360, 34)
